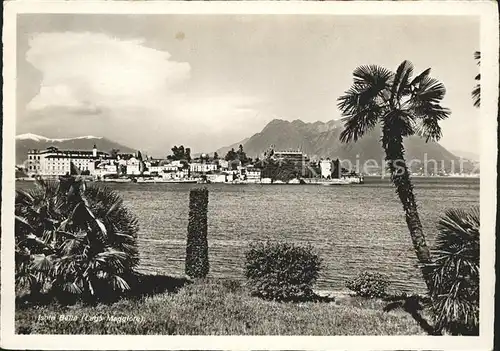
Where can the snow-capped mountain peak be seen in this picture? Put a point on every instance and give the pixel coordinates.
(35, 137)
(31, 136)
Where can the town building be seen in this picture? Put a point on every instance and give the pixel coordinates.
(223, 164)
(174, 175)
(106, 168)
(198, 167)
(293, 156)
(253, 174)
(133, 166)
(217, 178)
(158, 169)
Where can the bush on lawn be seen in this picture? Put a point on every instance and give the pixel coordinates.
(368, 284)
(282, 271)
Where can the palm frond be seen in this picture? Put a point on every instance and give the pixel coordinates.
(425, 106)
(116, 205)
(25, 280)
(476, 92)
(23, 197)
(72, 287)
(74, 242)
(429, 90)
(372, 75)
(41, 184)
(401, 81)
(429, 129)
(416, 81)
(476, 95)
(25, 224)
(477, 57)
(358, 124)
(369, 84)
(41, 263)
(118, 283)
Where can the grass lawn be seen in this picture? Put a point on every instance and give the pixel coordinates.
(217, 307)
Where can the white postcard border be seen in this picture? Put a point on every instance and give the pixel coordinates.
(486, 10)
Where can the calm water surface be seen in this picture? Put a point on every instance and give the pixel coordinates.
(353, 227)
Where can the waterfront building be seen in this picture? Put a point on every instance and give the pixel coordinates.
(55, 162)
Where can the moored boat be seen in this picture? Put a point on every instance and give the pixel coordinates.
(117, 180)
(344, 181)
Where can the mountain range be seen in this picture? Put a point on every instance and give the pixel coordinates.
(467, 155)
(321, 140)
(29, 141)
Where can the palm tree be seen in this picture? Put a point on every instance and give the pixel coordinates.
(403, 107)
(476, 93)
(455, 273)
(73, 238)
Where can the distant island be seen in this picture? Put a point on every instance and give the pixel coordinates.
(316, 142)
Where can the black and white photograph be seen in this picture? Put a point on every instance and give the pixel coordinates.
(313, 170)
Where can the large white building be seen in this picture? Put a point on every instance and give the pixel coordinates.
(326, 167)
(330, 168)
(55, 162)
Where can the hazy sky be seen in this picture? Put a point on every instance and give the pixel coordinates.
(152, 81)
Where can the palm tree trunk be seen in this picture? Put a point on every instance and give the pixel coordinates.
(400, 177)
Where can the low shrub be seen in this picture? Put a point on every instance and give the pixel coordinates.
(281, 271)
(232, 285)
(368, 284)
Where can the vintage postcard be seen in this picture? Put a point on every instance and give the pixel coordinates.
(249, 175)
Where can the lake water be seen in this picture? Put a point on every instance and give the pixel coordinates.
(352, 227)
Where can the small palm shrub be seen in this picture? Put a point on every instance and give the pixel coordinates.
(197, 265)
(281, 271)
(455, 273)
(368, 284)
(73, 240)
